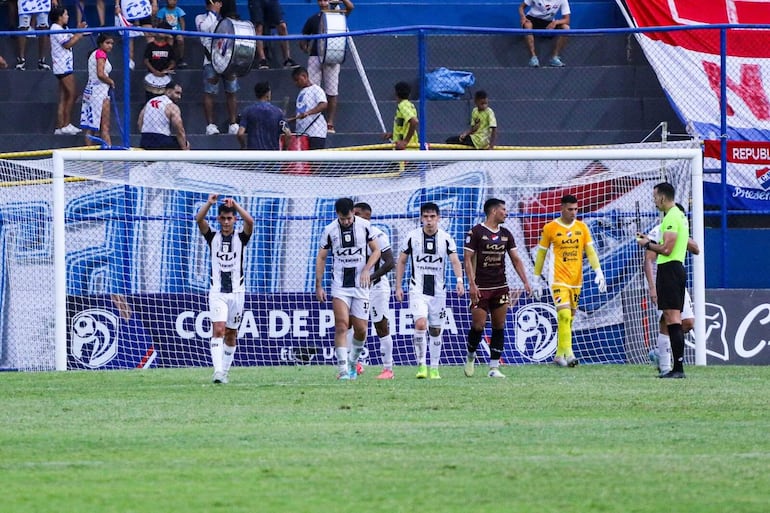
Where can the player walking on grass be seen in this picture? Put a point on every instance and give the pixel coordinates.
(347, 239)
(379, 296)
(569, 238)
(661, 355)
(671, 280)
(485, 248)
(429, 250)
(226, 296)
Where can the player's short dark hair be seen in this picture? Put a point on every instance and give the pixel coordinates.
(362, 205)
(171, 85)
(261, 89)
(403, 90)
(343, 206)
(298, 71)
(224, 209)
(57, 12)
(480, 95)
(492, 203)
(430, 207)
(568, 199)
(666, 189)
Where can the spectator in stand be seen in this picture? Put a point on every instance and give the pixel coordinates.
(269, 13)
(160, 122)
(262, 124)
(174, 16)
(322, 73)
(63, 69)
(482, 133)
(310, 108)
(40, 11)
(405, 123)
(207, 22)
(100, 12)
(147, 21)
(539, 16)
(159, 61)
(3, 64)
(95, 112)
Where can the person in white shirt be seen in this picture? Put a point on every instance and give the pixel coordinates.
(429, 249)
(207, 22)
(228, 288)
(310, 108)
(347, 239)
(63, 69)
(540, 15)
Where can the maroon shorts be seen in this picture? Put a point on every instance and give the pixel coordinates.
(490, 300)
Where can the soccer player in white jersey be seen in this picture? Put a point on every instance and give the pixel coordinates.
(379, 296)
(347, 239)
(429, 249)
(226, 296)
(661, 355)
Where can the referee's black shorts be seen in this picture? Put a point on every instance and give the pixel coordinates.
(670, 284)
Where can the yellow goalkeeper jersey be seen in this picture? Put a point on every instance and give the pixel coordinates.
(568, 243)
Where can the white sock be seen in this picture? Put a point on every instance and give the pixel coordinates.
(435, 351)
(228, 355)
(217, 352)
(420, 346)
(356, 348)
(342, 358)
(471, 357)
(494, 364)
(664, 353)
(386, 350)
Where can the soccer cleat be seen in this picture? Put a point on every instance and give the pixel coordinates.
(219, 377)
(225, 378)
(653, 356)
(289, 63)
(386, 374)
(21, 64)
(212, 129)
(343, 375)
(422, 372)
(572, 361)
(672, 375)
(41, 64)
(534, 62)
(495, 373)
(232, 129)
(263, 64)
(560, 361)
(556, 62)
(470, 367)
(359, 368)
(434, 373)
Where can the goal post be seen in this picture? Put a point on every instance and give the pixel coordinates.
(130, 269)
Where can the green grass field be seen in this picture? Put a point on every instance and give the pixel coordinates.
(607, 438)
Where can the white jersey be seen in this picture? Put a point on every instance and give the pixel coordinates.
(546, 10)
(206, 22)
(155, 120)
(61, 58)
(315, 124)
(348, 247)
(429, 255)
(227, 252)
(383, 243)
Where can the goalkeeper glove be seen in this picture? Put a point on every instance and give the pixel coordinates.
(600, 281)
(538, 287)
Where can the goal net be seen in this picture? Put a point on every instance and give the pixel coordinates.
(119, 273)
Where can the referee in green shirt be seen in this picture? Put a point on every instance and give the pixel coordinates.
(671, 281)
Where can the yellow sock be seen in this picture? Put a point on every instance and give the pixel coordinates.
(564, 322)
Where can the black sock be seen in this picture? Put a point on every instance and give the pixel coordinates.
(496, 344)
(474, 339)
(676, 335)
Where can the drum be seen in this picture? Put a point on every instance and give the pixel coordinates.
(332, 50)
(233, 56)
(156, 85)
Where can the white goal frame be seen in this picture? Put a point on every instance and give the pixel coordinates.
(693, 155)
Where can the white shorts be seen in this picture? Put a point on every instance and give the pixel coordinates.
(379, 300)
(432, 307)
(687, 311)
(41, 21)
(357, 306)
(324, 75)
(226, 307)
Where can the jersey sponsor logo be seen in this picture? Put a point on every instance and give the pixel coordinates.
(94, 337)
(570, 241)
(225, 256)
(430, 259)
(349, 252)
(495, 247)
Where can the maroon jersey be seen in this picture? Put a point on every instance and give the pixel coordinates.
(490, 248)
